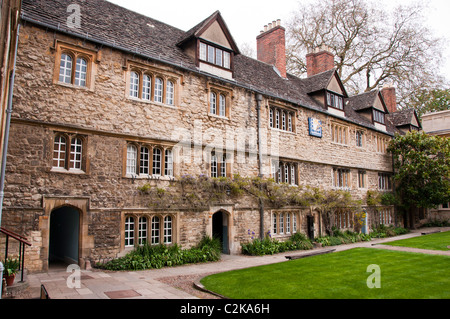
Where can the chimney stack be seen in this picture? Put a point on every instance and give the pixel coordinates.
(320, 60)
(389, 97)
(271, 46)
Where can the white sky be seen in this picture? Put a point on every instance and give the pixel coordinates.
(245, 18)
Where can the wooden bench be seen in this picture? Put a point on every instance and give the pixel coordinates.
(314, 253)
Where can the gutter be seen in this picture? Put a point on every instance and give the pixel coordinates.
(260, 164)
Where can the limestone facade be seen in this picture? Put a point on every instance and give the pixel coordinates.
(103, 118)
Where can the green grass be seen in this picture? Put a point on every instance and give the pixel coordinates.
(341, 275)
(437, 241)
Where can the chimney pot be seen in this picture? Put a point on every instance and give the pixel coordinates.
(271, 46)
(319, 60)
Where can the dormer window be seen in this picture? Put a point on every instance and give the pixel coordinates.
(335, 101)
(214, 55)
(378, 116)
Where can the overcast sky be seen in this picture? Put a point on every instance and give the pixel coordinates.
(245, 18)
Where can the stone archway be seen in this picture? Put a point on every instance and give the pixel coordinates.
(67, 205)
(64, 238)
(221, 229)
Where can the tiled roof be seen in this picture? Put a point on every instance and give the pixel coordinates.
(402, 117)
(108, 23)
(363, 101)
(112, 25)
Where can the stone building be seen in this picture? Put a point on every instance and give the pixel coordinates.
(108, 100)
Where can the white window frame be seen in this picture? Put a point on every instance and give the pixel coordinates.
(60, 143)
(168, 224)
(294, 223)
(203, 51)
(274, 226)
(281, 222)
(155, 231)
(168, 163)
(81, 72)
(214, 166)
(144, 164)
(170, 93)
(288, 223)
(157, 157)
(76, 154)
(142, 233)
(134, 84)
(65, 68)
(159, 88)
(146, 87)
(226, 60)
(293, 175)
(290, 122)
(223, 166)
(222, 105)
(131, 159)
(213, 103)
(129, 231)
(271, 117)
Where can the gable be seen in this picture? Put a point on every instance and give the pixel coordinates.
(214, 33)
(414, 121)
(335, 85)
(378, 104)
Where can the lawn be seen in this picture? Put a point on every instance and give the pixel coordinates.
(436, 241)
(340, 275)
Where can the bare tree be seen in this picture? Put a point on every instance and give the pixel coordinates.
(371, 46)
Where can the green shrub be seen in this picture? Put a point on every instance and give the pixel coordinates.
(270, 246)
(346, 237)
(158, 256)
(437, 223)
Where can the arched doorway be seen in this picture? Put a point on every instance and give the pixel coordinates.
(64, 236)
(220, 230)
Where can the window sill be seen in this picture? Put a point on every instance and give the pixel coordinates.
(135, 99)
(342, 188)
(150, 177)
(281, 130)
(73, 86)
(336, 143)
(69, 171)
(220, 117)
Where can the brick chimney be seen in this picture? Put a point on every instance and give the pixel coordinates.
(390, 99)
(271, 46)
(320, 60)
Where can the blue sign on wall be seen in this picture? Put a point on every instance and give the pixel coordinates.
(315, 127)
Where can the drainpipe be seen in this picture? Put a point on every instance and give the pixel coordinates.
(8, 122)
(261, 204)
(1, 279)
(5, 143)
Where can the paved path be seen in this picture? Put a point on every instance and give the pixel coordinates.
(97, 284)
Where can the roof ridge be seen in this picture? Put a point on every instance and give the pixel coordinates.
(140, 14)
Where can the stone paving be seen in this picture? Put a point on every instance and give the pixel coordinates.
(98, 284)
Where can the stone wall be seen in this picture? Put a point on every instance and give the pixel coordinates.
(108, 119)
